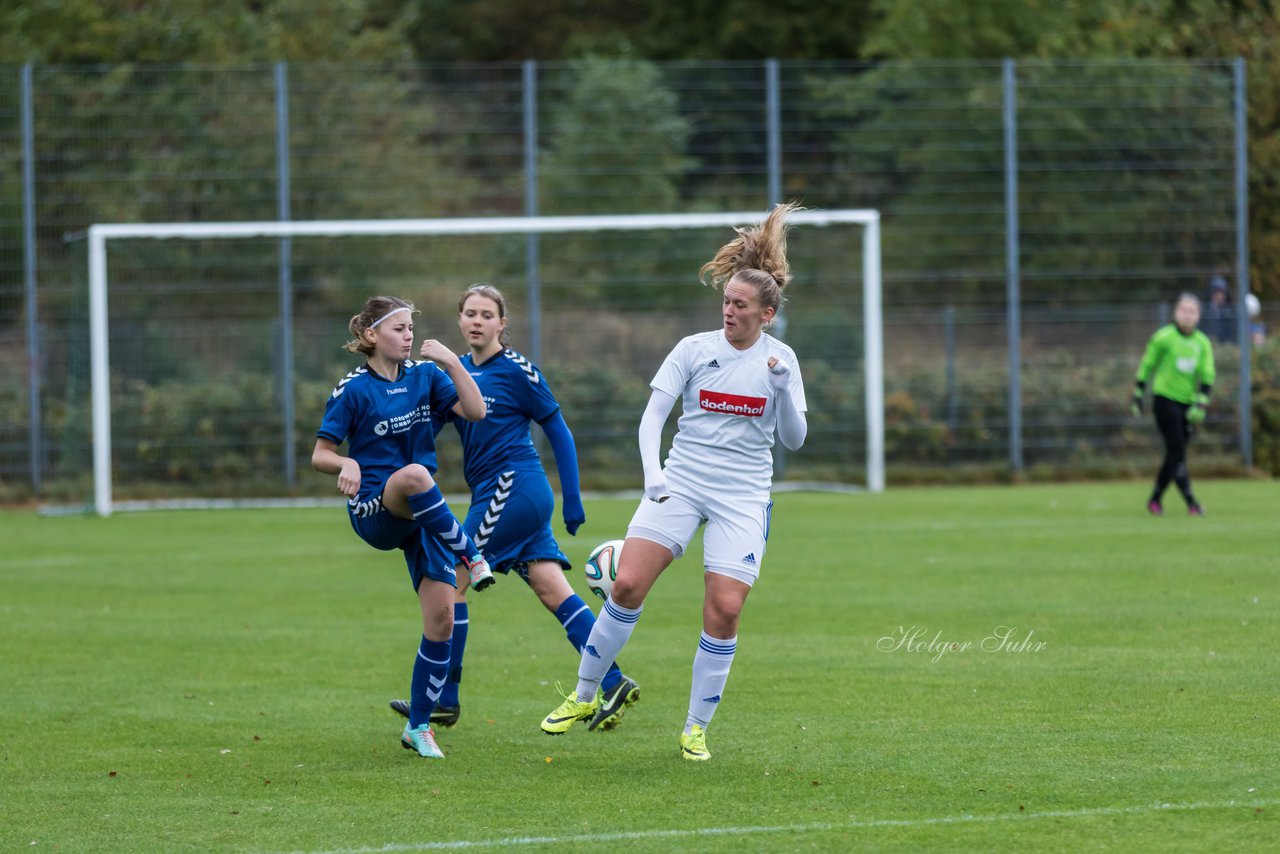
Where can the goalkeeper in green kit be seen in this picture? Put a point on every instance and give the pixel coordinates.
(1179, 363)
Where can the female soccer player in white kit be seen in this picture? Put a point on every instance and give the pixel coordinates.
(739, 385)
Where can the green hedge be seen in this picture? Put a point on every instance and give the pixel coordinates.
(224, 438)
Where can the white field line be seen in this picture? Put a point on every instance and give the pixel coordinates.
(854, 824)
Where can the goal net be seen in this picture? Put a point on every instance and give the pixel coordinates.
(213, 346)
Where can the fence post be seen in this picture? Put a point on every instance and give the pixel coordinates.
(773, 166)
(949, 344)
(29, 279)
(284, 214)
(773, 130)
(1245, 402)
(1012, 271)
(532, 242)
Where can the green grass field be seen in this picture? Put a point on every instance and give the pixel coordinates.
(218, 681)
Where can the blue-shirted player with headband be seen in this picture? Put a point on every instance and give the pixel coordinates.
(511, 500)
(384, 411)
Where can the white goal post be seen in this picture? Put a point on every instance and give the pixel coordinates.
(99, 234)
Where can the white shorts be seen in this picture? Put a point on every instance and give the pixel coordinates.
(737, 529)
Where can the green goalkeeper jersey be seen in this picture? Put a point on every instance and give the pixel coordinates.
(1181, 364)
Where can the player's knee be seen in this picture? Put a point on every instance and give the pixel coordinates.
(546, 580)
(416, 477)
(720, 623)
(626, 593)
(720, 616)
(437, 625)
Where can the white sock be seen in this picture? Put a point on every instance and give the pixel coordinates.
(711, 665)
(608, 636)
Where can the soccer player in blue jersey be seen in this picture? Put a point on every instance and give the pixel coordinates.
(384, 412)
(511, 500)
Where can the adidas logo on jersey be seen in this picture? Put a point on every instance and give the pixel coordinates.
(750, 559)
(713, 364)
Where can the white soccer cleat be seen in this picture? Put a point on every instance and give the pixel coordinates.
(422, 740)
(479, 572)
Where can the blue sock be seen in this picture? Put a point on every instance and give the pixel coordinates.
(432, 512)
(577, 620)
(449, 696)
(430, 667)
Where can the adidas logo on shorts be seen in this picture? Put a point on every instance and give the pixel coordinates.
(750, 559)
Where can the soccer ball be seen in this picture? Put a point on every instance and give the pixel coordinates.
(602, 567)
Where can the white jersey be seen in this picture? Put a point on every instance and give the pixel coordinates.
(725, 435)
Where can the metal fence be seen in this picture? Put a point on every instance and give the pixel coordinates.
(1038, 218)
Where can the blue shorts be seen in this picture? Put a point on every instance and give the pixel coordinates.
(510, 521)
(424, 554)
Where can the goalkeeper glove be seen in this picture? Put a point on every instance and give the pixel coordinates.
(1138, 399)
(1197, 411)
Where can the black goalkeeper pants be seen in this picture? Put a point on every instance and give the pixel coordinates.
(1171, 419)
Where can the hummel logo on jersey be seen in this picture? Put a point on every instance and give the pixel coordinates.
(714, 699)
(591, 651)
(401, 390)
(713, 364)
(494, 513)
(361, 509)
(750, 559)
(342, 383)
(530, 372)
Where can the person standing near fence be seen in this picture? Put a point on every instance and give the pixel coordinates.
(1179, 362)
(1218, 319)
(511, 499)
(739, 385)
(384, 412)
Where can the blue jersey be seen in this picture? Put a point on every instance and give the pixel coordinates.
(388, 424)
(515, 392)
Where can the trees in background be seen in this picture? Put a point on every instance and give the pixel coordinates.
(1121, 29)
(395, 31)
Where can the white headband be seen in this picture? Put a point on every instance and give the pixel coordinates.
(374, 325)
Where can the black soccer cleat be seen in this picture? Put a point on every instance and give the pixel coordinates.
(614, 704)
(445, 716)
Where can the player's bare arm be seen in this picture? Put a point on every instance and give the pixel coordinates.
(470, 403)
(326, 459)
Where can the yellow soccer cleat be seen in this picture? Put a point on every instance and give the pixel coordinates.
(569, 712)
(693, 745)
